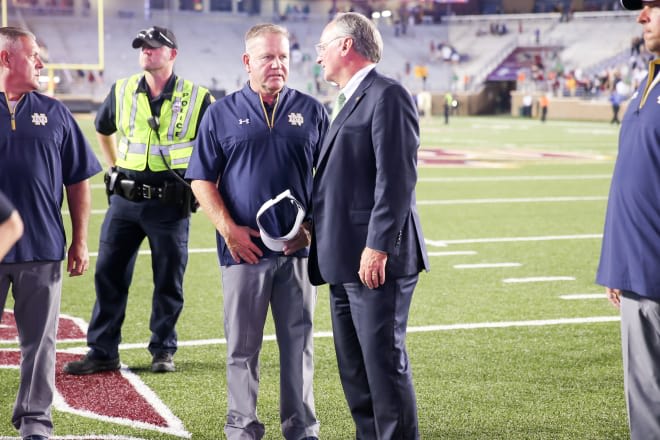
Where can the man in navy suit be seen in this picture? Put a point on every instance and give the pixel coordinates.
(367, 240)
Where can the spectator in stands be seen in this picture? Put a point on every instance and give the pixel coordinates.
(254, 145)
(629, 265)
(44, 155)
(145, 127)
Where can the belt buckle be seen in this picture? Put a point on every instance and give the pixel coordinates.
(148, 192)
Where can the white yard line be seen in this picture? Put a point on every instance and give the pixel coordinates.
(512, 178)
(485, 265)
(418, 329)
(537, 279)
(451, 253)
(444, 243)
(513, 200)
(574, 296)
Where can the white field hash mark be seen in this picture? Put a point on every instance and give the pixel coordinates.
(485, 265)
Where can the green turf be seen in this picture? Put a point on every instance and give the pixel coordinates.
(545, 382)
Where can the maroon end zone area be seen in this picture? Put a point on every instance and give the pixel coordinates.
(67, 328)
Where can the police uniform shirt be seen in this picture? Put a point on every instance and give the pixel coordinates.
(257, 158)
(42, 151)
(106, 123)
(630, 255)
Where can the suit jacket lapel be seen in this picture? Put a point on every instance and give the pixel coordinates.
(349, 107)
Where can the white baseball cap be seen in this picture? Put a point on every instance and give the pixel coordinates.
(277, 243)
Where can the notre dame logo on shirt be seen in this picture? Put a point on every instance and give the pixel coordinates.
(39, 119)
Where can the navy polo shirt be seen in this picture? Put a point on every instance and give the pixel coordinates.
(6, 208)
(255, 162)
(630, 255)
(44, 153)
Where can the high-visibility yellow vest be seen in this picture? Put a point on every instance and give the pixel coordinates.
(139, 144)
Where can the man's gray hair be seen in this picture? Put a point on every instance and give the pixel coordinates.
(262, 29)
(367, 40)
(10, 35)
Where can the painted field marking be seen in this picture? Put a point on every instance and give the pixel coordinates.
(444, 243)
(537, 279)
(417, 329)
(485, 265)
(512, 200)
(512, 178)
(573, 296)
(450, 253)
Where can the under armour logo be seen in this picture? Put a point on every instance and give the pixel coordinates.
(39, 119)
(244, 121)
(296, 119)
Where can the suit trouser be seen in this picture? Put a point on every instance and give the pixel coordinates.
(37, 290)
(369, 328)
(640, 344)
(125, 226)
(248, 289)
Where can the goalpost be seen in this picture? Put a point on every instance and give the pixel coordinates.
(51, 67)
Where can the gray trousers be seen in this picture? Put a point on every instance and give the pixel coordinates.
(282, 283)
(36, 289)
(640, 343)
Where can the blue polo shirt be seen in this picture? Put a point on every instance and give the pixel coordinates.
(44, 152)
(254, 161)
(6, 208)
(630, 254)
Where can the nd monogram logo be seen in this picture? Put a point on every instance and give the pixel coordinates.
(296, 119)
(39, 119)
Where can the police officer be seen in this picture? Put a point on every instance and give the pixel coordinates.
(155, 116)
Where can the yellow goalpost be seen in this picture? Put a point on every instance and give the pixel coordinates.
(50, 67)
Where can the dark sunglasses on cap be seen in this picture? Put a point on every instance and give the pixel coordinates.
(153, 35)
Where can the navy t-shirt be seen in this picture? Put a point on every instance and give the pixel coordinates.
(44, 153)
(255, 162)
(630, 255)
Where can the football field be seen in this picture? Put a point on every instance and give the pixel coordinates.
(509, 337)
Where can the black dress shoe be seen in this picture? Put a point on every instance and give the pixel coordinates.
(89, 365)
(35, 437)
(162, 363)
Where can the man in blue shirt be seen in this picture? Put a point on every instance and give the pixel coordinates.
(43, 153)
(253, 145)
(630, 256)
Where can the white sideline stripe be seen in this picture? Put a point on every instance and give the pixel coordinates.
(583, 296)
(512, 200)
(449, 253)
(190, 251)
(485, 265)
(444, 243)
(536, 279)
(81, 437)
(420, 329)
(513, 178)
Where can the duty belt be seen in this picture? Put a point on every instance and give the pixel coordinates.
(134, 191)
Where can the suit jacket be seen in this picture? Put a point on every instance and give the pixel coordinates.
(364, 186)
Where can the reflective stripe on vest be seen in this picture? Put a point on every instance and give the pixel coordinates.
(139, 145)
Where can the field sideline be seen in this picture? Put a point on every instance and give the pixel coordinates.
(509, 336)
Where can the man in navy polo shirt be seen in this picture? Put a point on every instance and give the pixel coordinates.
(630, 256)
(255, 145)
(43, 154)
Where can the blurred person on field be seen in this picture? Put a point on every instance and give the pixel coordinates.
(367, 240)
(44, 156)
(145, 127)
(252, 174)
(629, 265)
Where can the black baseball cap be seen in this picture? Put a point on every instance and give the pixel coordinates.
(155, 37)
(634, 5)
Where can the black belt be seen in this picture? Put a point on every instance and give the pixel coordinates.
(135, 191)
